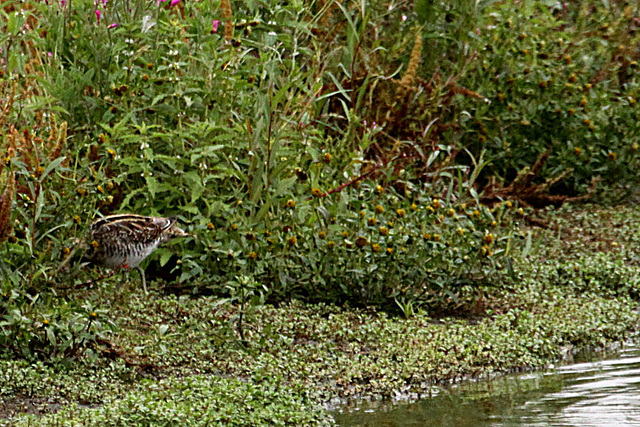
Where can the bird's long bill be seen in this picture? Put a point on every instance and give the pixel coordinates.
(179, 232)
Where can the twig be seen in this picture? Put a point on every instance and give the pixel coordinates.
(353, 181)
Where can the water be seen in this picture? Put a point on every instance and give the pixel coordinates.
(598, 393)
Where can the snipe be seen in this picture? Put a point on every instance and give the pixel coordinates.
(125, 240)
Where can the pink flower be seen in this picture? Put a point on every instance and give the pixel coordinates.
(63, 3)
(98, 16)
(104, 2)
(174, 2)
(114, 25)
(214, 25)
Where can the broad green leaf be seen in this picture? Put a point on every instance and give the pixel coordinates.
(152, 185)
(262, 212)
(51, 166)
(284, 185)
(165, 255)
(191, 209)
(129, 196)
(39, 205)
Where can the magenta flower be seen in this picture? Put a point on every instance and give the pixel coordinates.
(214, 25)
(174, 2)
(104, 2)
(114, 25)
(98, 16)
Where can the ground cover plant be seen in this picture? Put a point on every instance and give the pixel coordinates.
(377, 155)
(300, 355)
(116, 107)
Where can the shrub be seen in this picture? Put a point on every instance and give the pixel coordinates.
(292, 141)
(565, 83)
(261, 174)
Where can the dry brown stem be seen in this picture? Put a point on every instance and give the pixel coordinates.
(406, 83)
(5, 207)
(225, 7)
(523, 189)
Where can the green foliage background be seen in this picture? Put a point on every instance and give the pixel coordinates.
(313, 152)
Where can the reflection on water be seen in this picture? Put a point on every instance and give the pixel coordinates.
(598, 393)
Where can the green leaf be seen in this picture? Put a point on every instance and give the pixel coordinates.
(262, 212)
(194, 182)
(206, 151)
(51, 166)
(165, 255)
(284, 185)
(152, 185)
(15, 22)
(39, 205)
(129, 196)
(51, 336)
(159, 98)
(191, 209)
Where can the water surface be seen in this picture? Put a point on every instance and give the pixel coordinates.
(603, 392)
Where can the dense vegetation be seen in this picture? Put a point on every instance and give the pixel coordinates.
(358, 154)
(174, 358)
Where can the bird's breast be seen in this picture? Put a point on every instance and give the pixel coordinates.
(131, 254)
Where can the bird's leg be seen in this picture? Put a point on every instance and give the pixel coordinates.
(144, 281)
(126, 267)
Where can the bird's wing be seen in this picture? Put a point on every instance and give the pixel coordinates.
(134, 230)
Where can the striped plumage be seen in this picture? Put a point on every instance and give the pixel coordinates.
(125, 240)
